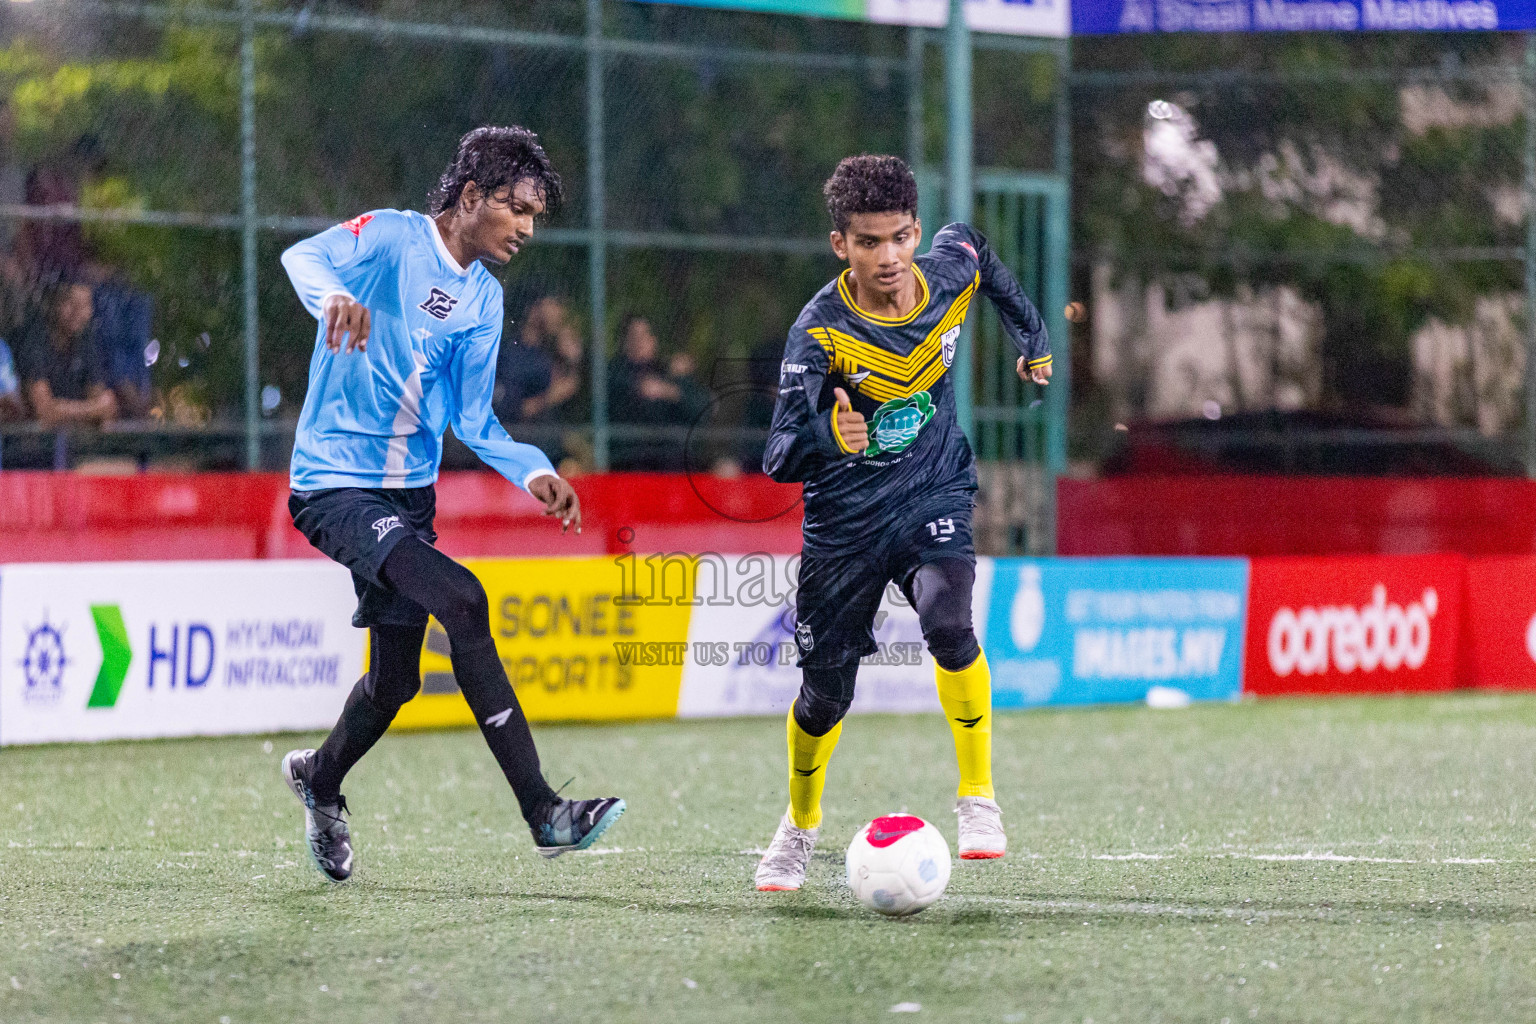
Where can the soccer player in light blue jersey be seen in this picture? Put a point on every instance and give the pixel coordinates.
(410, 324)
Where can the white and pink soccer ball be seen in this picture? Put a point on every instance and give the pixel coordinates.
(898, 864)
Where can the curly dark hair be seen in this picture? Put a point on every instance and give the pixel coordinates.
(870, 184)
(494, 159)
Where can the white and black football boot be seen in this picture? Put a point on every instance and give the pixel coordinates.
(325, 830)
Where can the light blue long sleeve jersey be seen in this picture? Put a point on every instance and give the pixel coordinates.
(375, 419)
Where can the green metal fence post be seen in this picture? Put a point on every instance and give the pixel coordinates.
(248, 231)
(961, 188)
(915, 140)
(597, 244)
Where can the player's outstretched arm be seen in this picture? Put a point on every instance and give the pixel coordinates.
(805, 436)
(1021, 320)
(471, 382)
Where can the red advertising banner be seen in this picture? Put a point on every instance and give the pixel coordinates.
(1499, 649)
(1353, 625)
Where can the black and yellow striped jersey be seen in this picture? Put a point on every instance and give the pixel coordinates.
(896, 372)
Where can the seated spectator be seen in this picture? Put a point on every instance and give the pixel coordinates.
(562, 401)
(693, 398)
(60, 367)
(638, 389)
(11, 405)
(54, 251)
(120, 330)
(523, 368)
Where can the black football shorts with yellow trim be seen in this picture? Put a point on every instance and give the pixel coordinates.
(840, 594)
(359, 527)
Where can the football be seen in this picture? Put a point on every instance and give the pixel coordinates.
(898, 864)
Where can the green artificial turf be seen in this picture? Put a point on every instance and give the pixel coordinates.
(1332, 860)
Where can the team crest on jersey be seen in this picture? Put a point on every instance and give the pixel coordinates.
(439, 304)
(947, 345)
(896, 424)
(356, 224)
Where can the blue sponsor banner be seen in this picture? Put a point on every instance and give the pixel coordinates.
(1108, 630)
(1112, 17)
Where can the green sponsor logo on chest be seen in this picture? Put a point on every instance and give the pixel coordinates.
(895, 424)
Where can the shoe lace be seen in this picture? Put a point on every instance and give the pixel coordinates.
(792, 845)
(976, 818)
(328, 820)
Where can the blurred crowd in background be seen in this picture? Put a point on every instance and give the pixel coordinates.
(75, 343)
(657, 400)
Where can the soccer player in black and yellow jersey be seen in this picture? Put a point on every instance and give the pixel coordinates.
(866, 420)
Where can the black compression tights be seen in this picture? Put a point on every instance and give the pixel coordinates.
(941, 593)
(394, 676)
(456, 599)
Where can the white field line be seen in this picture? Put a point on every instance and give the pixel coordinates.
(1240, 913)
(1324, 857)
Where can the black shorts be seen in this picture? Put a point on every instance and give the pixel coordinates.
(839, 595)
(359, 528)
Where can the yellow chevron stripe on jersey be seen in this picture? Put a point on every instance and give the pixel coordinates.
(888, 362)
(887, 375)
(847, 295)
(928, 378)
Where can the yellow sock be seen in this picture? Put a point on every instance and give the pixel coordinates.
(808, 757)
(966, 697)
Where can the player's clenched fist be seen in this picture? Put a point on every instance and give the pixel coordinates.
(559, 499)
(347, 318)
(851, 427)
(1040, 374)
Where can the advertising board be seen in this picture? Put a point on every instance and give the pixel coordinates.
(98, 651)
(741, 644)
(1012, 17)
(1499, 648)
(1110, 17)
(1104, 630)
(588, 639)
(1354, 625)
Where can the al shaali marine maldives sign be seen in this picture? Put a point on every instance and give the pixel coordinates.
(1109, 17)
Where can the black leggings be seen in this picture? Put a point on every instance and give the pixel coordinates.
(394, 666)
(452, 594)
(941, 592)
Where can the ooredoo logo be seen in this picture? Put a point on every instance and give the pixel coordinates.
(1381, 634)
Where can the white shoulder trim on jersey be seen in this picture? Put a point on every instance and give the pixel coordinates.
(442, 249)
